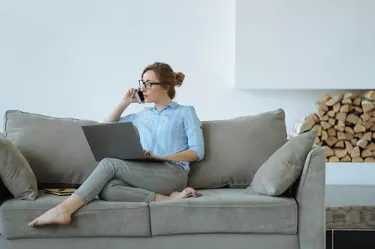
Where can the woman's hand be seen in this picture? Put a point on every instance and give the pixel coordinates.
(129, 96)
(149, 154)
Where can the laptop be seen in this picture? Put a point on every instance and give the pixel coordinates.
(115, 140)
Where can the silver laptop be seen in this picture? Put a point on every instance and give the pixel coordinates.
(115, 140)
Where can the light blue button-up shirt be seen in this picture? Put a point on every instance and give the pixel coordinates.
(169, 131)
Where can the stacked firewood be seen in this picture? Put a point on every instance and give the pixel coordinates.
(346, 127)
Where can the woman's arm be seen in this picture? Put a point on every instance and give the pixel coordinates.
(125, 102)
(184, 156)
(194, 133)
(117, 112)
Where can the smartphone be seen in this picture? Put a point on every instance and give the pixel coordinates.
(139, 96)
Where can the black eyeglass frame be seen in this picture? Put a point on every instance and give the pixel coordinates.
(144, 84)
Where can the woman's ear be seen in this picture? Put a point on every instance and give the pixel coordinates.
(166, 88)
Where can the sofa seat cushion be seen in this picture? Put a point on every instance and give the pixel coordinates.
(99, 218)
(225, 211)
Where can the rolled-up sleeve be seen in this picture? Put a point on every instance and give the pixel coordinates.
(194, 132)
(127, 118)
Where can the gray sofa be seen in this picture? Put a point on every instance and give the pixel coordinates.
(225, 216)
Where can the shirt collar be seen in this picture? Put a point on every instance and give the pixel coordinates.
(171, 105)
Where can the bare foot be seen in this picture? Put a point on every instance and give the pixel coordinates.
(52, 216)
(186, 193)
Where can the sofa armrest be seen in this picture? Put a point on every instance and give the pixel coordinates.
(310, 196)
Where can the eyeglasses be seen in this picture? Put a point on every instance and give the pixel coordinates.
(147, 84)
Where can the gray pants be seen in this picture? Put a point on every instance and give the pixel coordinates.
(132, 181)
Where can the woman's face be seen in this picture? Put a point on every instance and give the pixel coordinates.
(156, 93)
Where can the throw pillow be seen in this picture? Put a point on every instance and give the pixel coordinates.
(236, 148)
(284, 167)
(15, 172)
(56, 148)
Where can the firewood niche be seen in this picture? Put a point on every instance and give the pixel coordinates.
(346, 127)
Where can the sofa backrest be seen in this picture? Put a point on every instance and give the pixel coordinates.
(55, 148)
(60, 156)
(236, 148)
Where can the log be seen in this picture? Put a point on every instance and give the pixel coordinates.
(351, 108)
(346, 158)
(315, 118)
(325, 125)
(333, 100)
(358, 135)
(351, 118)
(331, 132)
(367, 106)
(317, 141)
(331, 141)
(365, 117)
(370, 146)
(349, 130)
(356, 152)
(348, 146)
(334, 159)
(372, 128)
(304, 126)
(319, 128)
(357, 101)
(332, 121)
(368, 125)
(354, 141)
(340, 153)
(367, 136)
(372, 119)
(340, 144)
(341, 135)
(327, 151)
(370, 95)
(341, 123)
(324, 135)
(319, 144)
(321, 113)
(339, 128)
(322, 106)
(336, 107)
(344, 108)
(359, 128)
(359, 121)
(358, 109)
(348, 95)
(325, 98)
(331, 114)
(325, 118)
(373, 135)
(357, 159)
(341, 116)
(362, 143)
(366, 153)
(348, 136)
(346, 101)
(369, 160)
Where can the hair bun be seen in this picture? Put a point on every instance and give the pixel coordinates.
(179, 78)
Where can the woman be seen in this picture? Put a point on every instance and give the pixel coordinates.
(167, 130)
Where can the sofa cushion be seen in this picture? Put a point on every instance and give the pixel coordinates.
(284, 167)
(225, 211)
(55, 148)
(99, 218)
(236, 148)
(15, 172)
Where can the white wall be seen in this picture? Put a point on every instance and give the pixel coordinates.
(302, 44)
(77, 58)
